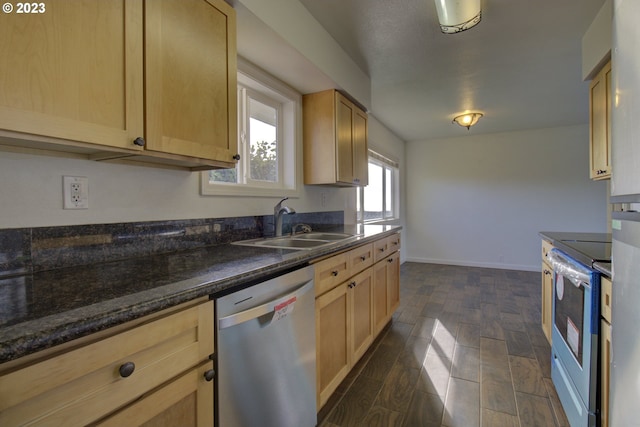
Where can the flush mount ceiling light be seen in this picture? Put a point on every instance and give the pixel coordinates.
(467, 120)
(458, 15)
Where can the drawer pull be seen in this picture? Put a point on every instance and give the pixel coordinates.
(127, 369)
(352, 285)
(210, 375)
(334, 273)
(381, 249)
(363, 258)
(139, 141)
(390, 260)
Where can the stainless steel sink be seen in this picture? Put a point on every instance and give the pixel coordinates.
(303, 241)
(321, 236)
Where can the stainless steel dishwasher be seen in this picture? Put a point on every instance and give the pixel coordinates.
(266, 353)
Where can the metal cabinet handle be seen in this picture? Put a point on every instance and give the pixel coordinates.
(334, 273)
(210, 375)
(363, 258)
(127, 369)
(381, 249)
(139, 141)
(390, 260)
(352, 285)
(236, 157)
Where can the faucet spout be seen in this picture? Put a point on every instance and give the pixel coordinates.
(278, 212)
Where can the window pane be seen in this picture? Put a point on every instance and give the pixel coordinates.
(263, 145)
(224, 175)
(373, 193)
(388, 199)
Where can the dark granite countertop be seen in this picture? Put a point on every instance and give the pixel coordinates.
(49, 308)
(587, 248)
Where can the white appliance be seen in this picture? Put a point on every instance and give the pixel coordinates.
(625, 188)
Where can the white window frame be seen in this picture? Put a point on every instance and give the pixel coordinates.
(256, 83)
(387, 164)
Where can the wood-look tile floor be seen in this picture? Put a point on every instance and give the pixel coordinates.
(464, 349)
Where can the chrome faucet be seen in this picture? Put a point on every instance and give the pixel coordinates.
(278, 211)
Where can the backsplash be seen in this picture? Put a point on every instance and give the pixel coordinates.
(31, 250)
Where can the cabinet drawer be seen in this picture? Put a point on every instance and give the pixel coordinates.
(546, 247)
(605, 301)
(393, 243)
(384, 247)
(85, 384)
(360, 258)
(331, 272)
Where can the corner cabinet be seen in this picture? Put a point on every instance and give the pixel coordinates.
(600, 124)
(335, 140)
(154, 371)
(124, 79)
(353, 303)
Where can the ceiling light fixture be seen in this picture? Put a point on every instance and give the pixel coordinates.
(458, 15)
(467, 120)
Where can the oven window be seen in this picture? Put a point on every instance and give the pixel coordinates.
(569, 315)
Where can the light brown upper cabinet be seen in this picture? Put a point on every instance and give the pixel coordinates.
(600, 124)
(335, 140)
(152, 80)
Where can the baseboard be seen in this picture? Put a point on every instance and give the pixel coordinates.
(500, 266)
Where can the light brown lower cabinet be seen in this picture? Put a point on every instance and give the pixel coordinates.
(546, 281)
(386, 290)
(351, 314)
(151, 371)
(547, 300)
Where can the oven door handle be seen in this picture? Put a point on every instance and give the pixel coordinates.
(561, 265)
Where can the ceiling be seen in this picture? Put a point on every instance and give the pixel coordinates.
(520, 66)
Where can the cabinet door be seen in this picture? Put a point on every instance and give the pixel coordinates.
(186, 401)
(332, 345)
(600, 124)
(74, 72)
(190, 78)
(547, 300)
(393, 282)
(360, 150)
(380, 296)
(361, 308)
(344, 139)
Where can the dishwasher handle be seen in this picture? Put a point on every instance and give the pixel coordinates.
(268, 307)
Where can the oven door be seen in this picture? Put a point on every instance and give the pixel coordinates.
(575, 336)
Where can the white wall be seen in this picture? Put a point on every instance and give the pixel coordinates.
(481, 200)
(31, 191)
(31, 194)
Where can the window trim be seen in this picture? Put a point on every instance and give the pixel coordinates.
(387, 164)
(259, 81)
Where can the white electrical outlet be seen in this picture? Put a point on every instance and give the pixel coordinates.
(75, 191)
